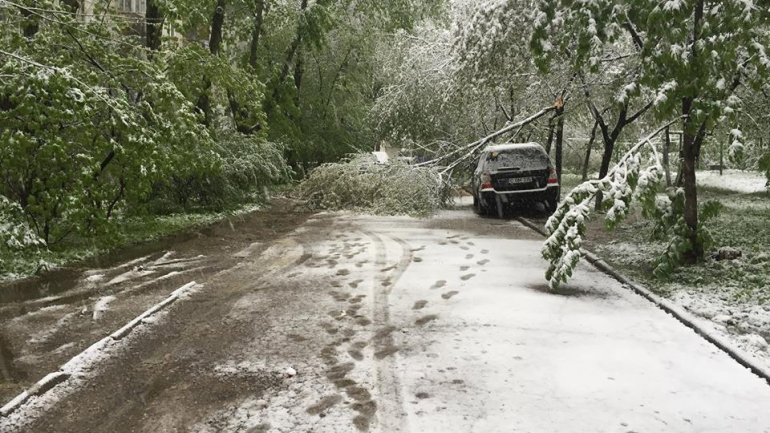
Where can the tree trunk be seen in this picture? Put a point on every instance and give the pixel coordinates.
(722, 155)
(154, 22)
(559, 140)
(604, 168)
(678, 181)
(294, 45)
(290, 53)
(666, 163)
(551, 128)
(689, 158)
(298, 77)
(215, 41)
(256, 32)
(691, 142)
(73, 5)
(588, 152)
(31, 24)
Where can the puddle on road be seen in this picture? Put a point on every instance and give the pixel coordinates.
(61, 281)
(53, 283)
(246, 228)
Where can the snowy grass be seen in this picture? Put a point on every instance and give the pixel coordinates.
(129, 231)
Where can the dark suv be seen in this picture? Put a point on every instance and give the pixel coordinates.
(514, 174)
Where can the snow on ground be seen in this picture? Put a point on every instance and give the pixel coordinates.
(745, 325)
(143, 267)
(93, 278)
(730, 307)
(722, 307)
(102, 305)
(746, 182)
(477, 343)
(493, 349)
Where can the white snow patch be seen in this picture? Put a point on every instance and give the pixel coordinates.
(746, 182)
(102, 305)
(94, 278)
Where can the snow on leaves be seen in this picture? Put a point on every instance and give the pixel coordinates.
(14, 232)
(627, 182)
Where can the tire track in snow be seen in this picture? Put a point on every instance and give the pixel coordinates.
(391, 402)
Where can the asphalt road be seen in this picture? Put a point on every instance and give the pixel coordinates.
(392, 324)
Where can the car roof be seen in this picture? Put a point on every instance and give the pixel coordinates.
(511, 146)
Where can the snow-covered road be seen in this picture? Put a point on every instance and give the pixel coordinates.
(505, 354)
(394, 324)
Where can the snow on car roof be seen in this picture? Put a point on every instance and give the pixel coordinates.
(509, 146)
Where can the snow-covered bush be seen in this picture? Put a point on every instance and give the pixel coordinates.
(14, 232)
(359, 183)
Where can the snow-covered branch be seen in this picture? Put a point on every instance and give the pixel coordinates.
(626, 182)
(469, 150)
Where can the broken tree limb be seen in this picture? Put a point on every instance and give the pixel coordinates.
(469, 149)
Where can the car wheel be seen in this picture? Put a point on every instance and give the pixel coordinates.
(551, 204)
(477, 206)
(486, 210)
(500, 208)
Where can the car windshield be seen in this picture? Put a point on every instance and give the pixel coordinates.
(525, 158)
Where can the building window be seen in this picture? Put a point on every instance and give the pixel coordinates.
(132, 6)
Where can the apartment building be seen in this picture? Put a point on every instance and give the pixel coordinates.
(129, 11)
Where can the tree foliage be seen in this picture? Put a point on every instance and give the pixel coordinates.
(694, 54)
(94, 126)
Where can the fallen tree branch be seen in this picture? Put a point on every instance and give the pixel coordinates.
(471, 148)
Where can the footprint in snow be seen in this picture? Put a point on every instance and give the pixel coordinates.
(438, 284)
(425, 319)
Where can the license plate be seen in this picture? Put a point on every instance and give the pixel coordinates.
(518, 180)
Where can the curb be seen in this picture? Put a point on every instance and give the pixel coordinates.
(669, 307)
(52, 379)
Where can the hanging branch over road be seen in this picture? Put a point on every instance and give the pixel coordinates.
(469, 150)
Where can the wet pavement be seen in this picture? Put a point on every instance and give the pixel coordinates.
(46, 320)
